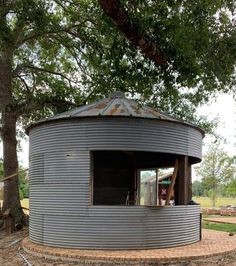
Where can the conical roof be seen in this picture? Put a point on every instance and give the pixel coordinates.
(116, 106)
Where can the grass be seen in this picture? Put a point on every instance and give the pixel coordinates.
(219, 226)
(221, 201)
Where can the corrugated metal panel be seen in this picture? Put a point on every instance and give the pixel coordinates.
(70, 166)
(116, 134)
(36, 169)
(36, 230)
(60, 211)
(117, 227)
(62, 199)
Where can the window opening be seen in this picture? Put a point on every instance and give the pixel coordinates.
(117, 179)
(148, 187)
(154, 185)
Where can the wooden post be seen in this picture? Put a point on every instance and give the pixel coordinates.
(173, 178)
(189, 182)
(183, 182)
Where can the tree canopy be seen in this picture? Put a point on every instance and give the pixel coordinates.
(69, 52)
(189, 49)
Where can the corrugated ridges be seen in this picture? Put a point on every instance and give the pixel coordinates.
(167, 227)
(116, 134)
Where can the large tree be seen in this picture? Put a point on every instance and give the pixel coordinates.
(55, 54)
(215, 169)
(42, 58)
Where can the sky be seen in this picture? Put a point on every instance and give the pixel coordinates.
(224, 108)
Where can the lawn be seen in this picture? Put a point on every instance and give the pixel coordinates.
(219, 226)
(206, 201)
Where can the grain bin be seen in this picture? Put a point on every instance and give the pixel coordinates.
(88, 171)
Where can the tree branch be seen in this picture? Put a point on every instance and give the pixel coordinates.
(34, 35)
(119, 16)
(47, 71)
(30, 105)
(24, 83)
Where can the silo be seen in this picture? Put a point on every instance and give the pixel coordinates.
(85, 182)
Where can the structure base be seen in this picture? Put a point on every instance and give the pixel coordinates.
(213, 243)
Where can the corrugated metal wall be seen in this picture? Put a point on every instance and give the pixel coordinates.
(118, 227)
(60, 203)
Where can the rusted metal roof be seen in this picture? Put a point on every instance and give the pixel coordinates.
(116, 105)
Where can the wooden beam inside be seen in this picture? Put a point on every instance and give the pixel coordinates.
(182, 182)
(173, 178)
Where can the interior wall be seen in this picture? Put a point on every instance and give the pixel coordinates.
(113, 178)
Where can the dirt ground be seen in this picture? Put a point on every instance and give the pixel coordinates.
(10, 250)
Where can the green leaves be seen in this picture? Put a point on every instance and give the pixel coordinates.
(73, 51)
(193, 36)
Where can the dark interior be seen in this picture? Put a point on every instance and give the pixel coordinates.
(114, 173)
(114, 177)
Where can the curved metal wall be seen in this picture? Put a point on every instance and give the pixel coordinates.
(60, 209)
(116, 134)
(118, 227)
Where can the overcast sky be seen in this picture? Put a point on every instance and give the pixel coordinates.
(225, 109)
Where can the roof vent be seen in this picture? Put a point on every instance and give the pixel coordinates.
(117, 94)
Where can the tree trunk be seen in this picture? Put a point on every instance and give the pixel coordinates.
(120, 18)
(11, 198)
(213, 201)
(214, 191)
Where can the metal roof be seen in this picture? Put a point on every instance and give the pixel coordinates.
(116, 105)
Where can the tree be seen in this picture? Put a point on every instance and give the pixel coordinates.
(197, 188)
(189, 45)
(56, 54)
(215, 169)
(42, 55)
(230, 186)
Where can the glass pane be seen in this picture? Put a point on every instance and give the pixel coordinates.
(148, 187)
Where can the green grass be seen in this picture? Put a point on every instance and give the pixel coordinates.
(219, 226)
(207, 203)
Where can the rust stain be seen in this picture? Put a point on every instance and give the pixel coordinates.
(113, 110)
(101, 105)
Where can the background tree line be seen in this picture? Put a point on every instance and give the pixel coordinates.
(218, 174)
